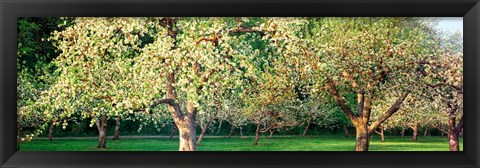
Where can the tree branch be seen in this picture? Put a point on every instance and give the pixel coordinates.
(459, 126)
(353, 82)
(439, 128)
(168, 23)
(361, 102)
(168, 101)
(445, 84)
(204, 78)
(394, 108)
(340, 101)
(304, 52)
(97, 122)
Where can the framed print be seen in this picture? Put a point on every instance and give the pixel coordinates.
(239, 83)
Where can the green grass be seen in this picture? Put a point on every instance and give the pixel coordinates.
(294, 143)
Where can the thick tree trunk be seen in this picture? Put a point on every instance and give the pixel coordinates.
(102, 132)
(306, 129)
(186, 129)
(453, 135)
(187, 138)
(257, 132)
(346, 132)
(271, 133)
(116, 134)
(102, 139)
(363, 138)
(231, 131)
(415, 132)
(425, 133)
(50, 130)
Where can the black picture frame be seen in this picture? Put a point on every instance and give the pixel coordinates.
(11, 9)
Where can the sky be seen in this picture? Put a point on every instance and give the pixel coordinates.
(451, 24)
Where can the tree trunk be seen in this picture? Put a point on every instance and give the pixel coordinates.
(381, 133)
(403, 133)
(186, 129)
(361, 121)
(116, 134)
(415, 132)
(271, 133)
(425, 133)
(257, 132)
(453, 135)
(241, 134)
(204, 129)
(346, 132)
(363, 138)
(172, 131)
(335, 130)
(219, 126)
(50, 130)
(102, 132)
(187, 135)
(306, 129)
(231, 131)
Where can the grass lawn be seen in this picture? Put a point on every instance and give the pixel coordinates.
(294, 143)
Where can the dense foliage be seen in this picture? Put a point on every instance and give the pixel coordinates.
(266, 74)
